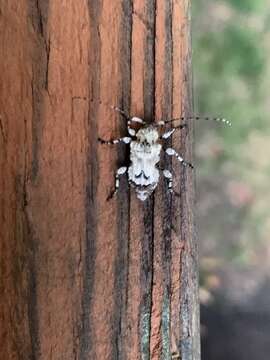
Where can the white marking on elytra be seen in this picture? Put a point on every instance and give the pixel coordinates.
(145, 149)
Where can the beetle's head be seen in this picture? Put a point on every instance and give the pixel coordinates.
(147, 135)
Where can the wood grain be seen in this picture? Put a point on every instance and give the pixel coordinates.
(81, 277)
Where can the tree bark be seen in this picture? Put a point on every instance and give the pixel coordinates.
(81, 277)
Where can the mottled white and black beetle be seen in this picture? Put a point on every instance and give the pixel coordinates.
(143, 171)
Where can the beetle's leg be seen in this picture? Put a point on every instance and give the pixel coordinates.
(125, 140)
(168, 175)
(129, 120)
(121, 171)
(169, 133)
(172, 152)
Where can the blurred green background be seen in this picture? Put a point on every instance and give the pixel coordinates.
(231, 49)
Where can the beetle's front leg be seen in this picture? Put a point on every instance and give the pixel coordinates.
(125, 140)
(169, 133)
(172, 152)
(121, 171)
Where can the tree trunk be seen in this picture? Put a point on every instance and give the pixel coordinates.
(81, 277)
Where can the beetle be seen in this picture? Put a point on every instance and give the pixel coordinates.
(145, 149)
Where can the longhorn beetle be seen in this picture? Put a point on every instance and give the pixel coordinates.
(145, 148)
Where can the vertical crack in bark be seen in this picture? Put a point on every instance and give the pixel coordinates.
(123, 207)
(3, 133)
(32, 249)
(148, 238)
(86, 342)
(32, 302)
(189, 337)
(25, 262)
(147, 278)
(168, 208)
(149, 76)
(30, 243)
(48, 52)
(39, 15)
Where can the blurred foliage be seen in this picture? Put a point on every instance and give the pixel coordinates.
(231, 48)
(247, 5)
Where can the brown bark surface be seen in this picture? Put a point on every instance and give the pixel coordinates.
(81, 277)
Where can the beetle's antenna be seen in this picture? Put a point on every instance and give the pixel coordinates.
(122, 112)
(130, 120)
(218, 119)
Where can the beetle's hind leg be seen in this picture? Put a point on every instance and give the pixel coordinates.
(121, 171)
(168, 176)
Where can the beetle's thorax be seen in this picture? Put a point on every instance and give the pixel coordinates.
(147, 135)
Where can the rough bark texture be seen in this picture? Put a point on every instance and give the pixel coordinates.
(83, 278)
